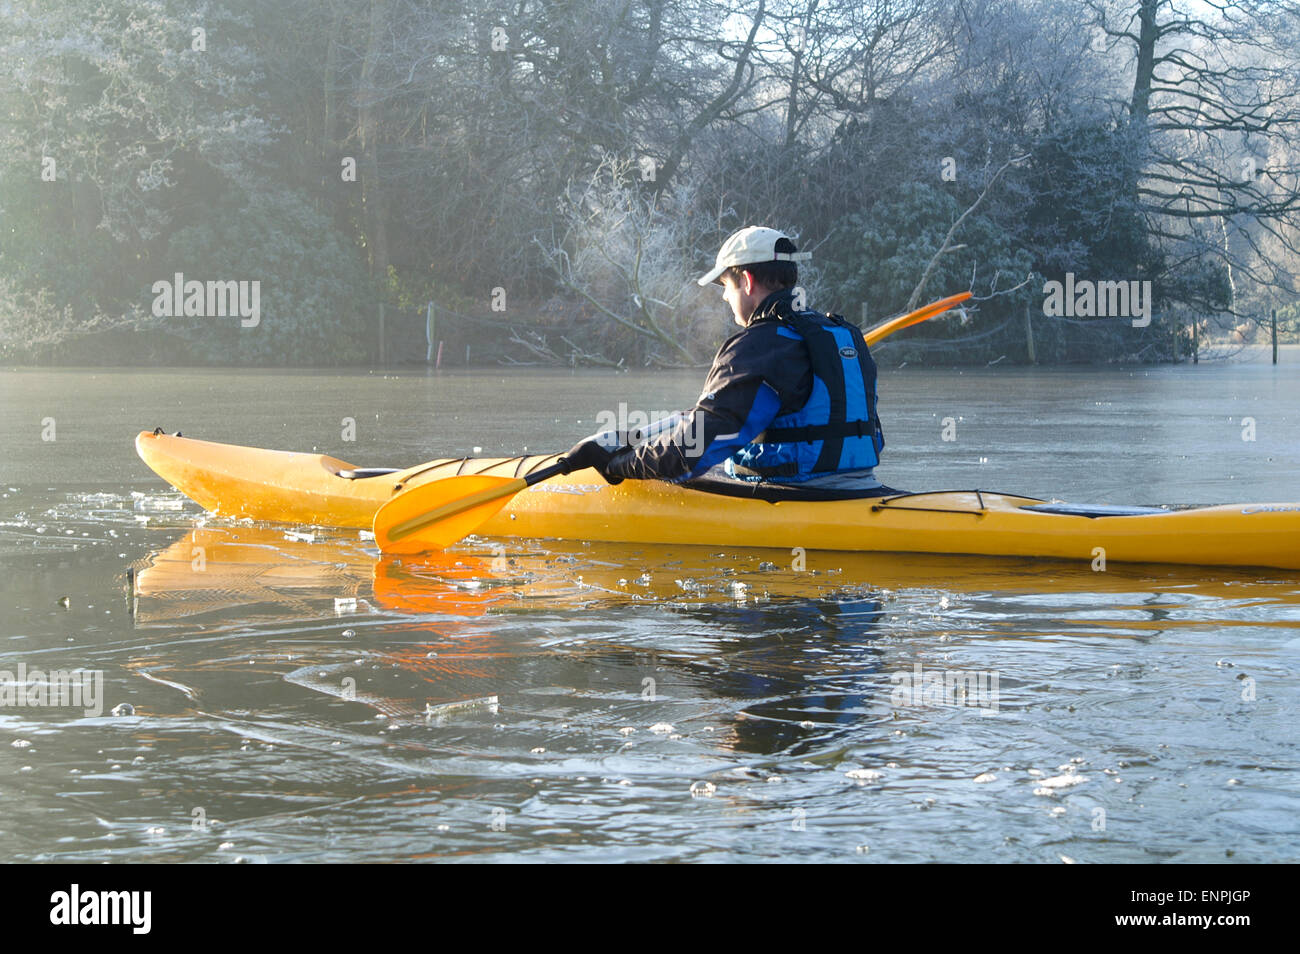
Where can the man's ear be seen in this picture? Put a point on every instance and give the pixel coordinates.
(748, 282)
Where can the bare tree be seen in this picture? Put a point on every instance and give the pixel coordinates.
(1212, 115)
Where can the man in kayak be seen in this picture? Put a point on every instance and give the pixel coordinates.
(790, 399)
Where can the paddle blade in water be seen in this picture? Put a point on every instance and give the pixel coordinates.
(437, 514)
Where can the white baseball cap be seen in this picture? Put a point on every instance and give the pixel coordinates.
(750, 246)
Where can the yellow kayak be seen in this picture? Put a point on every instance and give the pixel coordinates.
(316, 489)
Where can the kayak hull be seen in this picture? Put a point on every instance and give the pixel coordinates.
(300, 488)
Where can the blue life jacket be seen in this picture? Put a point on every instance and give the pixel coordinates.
(838, 429)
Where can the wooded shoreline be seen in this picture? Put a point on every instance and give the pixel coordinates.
(552, 177)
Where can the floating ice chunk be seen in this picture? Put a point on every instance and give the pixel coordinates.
(864, 775)
(158, 503)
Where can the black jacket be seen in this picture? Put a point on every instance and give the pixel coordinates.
(756, 377)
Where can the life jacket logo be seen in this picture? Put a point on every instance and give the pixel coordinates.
(848, 352)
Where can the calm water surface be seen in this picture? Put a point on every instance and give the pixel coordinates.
(293, 698)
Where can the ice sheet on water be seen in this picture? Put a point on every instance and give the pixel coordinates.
(158, 503)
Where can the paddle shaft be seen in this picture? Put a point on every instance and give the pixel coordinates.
(886, 328)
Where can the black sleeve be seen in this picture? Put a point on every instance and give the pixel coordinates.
(756, 376)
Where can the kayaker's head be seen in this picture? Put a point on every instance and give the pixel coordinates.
(752, 264)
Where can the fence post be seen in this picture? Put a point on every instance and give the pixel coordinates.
(430, 334)
(1029, 336)
(1196, 340)
(1274, 323)
(382, 350)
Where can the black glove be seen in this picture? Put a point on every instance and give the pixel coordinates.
(619, 455)
(584, 454)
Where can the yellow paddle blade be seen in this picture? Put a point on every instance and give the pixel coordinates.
(887, 328)
(437, 514)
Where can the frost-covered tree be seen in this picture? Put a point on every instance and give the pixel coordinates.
(1211, 116)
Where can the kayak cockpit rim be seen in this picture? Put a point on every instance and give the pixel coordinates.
(887, 503)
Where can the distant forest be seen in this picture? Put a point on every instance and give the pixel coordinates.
(552, 176)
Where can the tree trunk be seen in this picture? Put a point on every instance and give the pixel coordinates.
(796, 77)
(714, 108)
(329, 138)
(1148, 33)
(368, 126)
